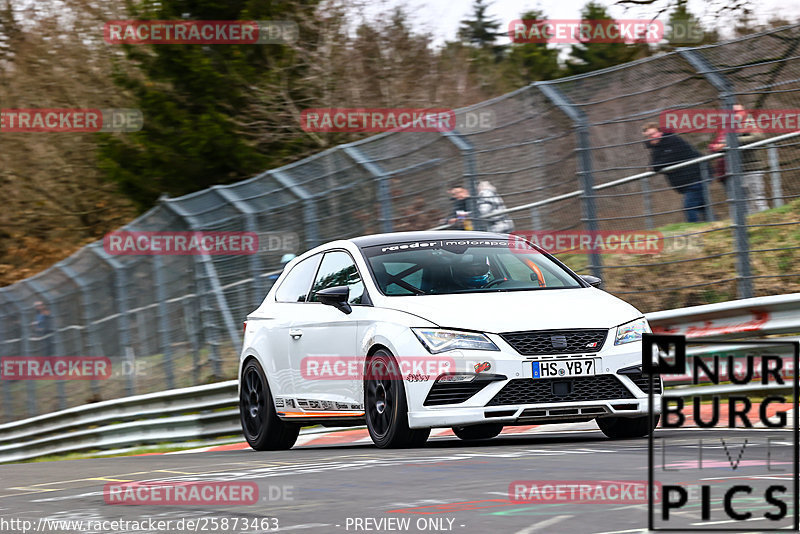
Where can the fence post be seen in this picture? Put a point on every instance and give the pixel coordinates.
(775, 174)
(310, 216)
(253, 260)
(648, 203)
(4, 384)
(23, 336)
(95, 348)
(58, 342)
(733, 160)
(191, 333)
(122, 305)
(536, 220)
(470, 174)
(707, 191)
(161, 317)
(382, 179)
(206, 265)
(581, 124)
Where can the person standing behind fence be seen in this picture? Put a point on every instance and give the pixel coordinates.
(489, 201)
(43, 327)
(752, 166)
(667, 148)
(460, 217)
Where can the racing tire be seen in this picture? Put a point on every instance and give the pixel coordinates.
(626, 427)
(475, 432)
(385, 406)
(261, 426)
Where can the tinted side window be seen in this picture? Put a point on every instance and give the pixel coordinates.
(338, 269)
(294, 287)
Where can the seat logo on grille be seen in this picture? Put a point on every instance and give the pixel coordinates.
(559, 342)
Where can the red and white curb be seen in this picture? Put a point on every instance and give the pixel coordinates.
(355, 436)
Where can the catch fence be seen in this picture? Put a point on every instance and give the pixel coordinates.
(566, 154)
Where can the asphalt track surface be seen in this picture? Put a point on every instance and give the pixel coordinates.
(447, 486)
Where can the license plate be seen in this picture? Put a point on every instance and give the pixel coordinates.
(564, 369)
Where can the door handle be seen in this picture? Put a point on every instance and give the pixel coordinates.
(295, 333)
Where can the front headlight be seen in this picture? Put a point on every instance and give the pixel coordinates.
(632, 331)
(436, 340)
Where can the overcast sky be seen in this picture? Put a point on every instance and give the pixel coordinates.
(441, 17)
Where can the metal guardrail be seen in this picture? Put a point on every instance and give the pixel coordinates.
(172, 415)
(166, 416)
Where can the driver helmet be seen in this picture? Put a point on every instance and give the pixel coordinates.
(473, 272)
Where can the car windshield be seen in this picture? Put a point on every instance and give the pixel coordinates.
(441, 267)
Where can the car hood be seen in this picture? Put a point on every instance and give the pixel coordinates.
(519, 310)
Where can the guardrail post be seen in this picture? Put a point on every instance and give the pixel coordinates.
(583, 148)
(161, 317)
(775, 174)
(58, 342)
(94, 345)
(310, 216)
(123, 317)
(382, 179)
(733, 160)
(470, 174)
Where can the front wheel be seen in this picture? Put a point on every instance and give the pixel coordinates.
(385, 405)
(261, 426)
(626, 427)
(485, 431)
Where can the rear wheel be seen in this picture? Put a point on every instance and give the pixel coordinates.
(385, 405)
(261, 426)
(626, 427)
(485, 431)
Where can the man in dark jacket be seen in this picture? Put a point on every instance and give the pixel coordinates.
(667, 149)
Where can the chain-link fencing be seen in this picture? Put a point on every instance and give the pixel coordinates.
(563, 155)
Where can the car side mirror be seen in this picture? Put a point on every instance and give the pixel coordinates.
(592, 280)
(337, 297)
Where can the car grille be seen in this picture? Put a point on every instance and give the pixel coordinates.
(453, 392)
(541, 390)
(642, 381)
(538, 342)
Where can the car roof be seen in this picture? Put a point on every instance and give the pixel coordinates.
(406, 237)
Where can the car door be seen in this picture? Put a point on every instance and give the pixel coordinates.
(324, 348)
(290, 302)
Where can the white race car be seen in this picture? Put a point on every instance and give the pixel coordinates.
(411, 331)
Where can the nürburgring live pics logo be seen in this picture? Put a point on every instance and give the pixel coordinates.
(748, 468)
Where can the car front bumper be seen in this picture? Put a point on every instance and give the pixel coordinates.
(505, 392)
